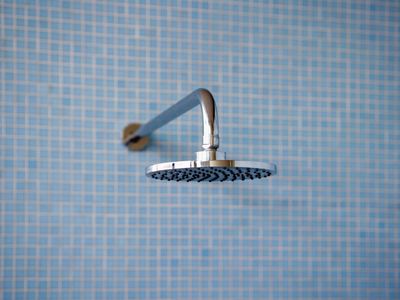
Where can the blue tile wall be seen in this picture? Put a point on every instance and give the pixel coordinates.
(312, 86)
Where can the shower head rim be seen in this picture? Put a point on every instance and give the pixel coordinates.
(193, 164)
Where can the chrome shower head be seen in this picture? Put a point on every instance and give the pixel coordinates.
(210, 170)
(209, 165)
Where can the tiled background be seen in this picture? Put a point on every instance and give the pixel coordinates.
(310, 85)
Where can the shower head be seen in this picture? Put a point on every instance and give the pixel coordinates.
(209, 165)
(211, 170)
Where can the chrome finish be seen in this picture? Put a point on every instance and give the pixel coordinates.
(210, 170)
(210, 165)
(210, 119)
(210, 155)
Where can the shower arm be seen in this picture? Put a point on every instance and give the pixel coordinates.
(136, 136)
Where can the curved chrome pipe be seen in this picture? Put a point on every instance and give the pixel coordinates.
(210, 119)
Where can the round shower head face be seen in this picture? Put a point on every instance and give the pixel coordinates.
(211, 170)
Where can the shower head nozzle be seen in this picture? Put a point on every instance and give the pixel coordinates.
(209, 165)
(210, 170)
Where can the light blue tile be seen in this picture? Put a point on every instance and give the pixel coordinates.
(310, 85)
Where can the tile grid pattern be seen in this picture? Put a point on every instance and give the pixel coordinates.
(310, 85)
